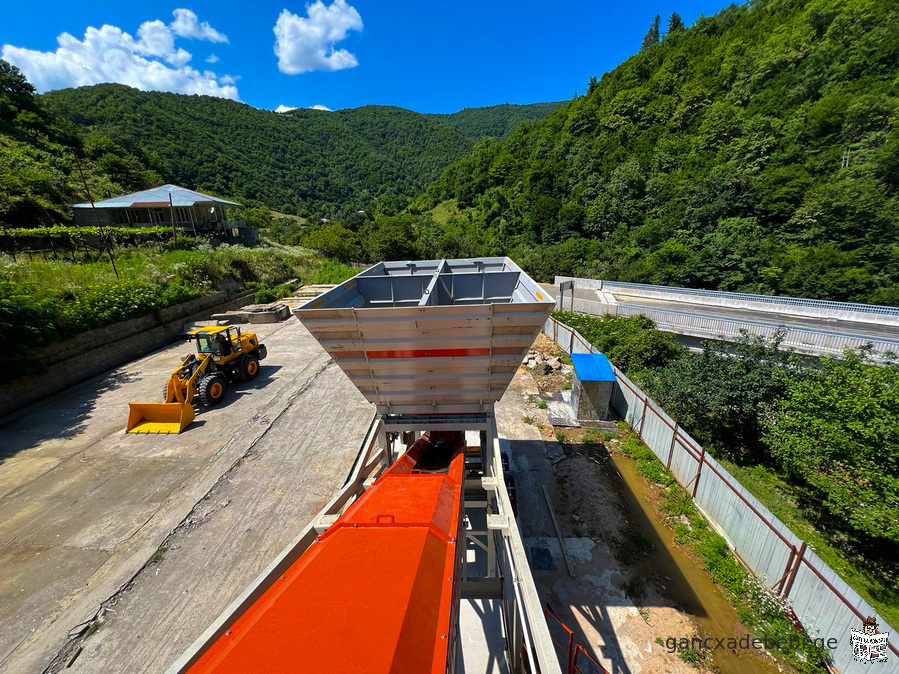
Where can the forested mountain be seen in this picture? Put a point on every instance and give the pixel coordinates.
(304, 161)
(757, 151)
(497, 121)
(38, 173)
(308, 162)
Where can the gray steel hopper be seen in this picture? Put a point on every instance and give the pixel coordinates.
(430, 337)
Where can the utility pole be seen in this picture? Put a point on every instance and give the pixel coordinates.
(103, 235)
(172, 214)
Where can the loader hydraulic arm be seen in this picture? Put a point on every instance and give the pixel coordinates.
(182, 385)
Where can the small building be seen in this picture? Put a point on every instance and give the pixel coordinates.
(591, 386)
(192, 212)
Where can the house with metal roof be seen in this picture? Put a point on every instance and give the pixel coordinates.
(190, 211)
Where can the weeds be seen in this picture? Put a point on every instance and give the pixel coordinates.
(157, 556)
(592, 436)
(42, 301)
(691, 656)
(757, 608)
(93, 627)
(542, 404)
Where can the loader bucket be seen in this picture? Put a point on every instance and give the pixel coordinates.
(159, 417)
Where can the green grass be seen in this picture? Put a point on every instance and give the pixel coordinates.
(43, 301)
(542, 404)
(777, 496)
(444, 211)
(761, 612)
(330, 272)
(691, 656)
(157, 556)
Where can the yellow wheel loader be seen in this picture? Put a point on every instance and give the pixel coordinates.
(224, 355)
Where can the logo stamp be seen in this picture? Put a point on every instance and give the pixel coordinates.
(869, 645)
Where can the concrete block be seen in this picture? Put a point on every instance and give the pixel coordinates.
(263, 317)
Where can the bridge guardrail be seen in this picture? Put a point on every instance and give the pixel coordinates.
(798, 306)
(809, 342)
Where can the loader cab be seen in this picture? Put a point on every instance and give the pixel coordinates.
(220, 343)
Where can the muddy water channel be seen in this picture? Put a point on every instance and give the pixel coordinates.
(696, 593)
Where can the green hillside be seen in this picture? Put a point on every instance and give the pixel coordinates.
(305, 161)
(497, 121)
(38, 173)
(756, 151)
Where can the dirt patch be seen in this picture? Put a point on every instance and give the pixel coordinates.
(553, 381)
(617, 610)
(592, 505)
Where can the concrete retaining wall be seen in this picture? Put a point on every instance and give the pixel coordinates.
(94, 352)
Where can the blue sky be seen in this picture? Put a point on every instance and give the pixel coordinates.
(438, 56)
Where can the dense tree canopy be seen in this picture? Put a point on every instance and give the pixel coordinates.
(304, 162)
(836, 430)
(38, 176)
(757, 150)
(497, 121)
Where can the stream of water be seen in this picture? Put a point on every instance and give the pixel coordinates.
(715, 615)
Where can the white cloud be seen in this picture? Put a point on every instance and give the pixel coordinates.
(303, 44)
(287, 108)
(187, 25)
(212, 58)
(109, 54)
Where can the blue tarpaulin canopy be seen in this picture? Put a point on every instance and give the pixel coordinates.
(592, 367)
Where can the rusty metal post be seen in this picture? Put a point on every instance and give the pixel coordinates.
(783, 579)
(799, 556)
(642, 418)
(698, 470)
(673, 439)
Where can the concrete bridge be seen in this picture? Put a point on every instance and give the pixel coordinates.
(813, 327)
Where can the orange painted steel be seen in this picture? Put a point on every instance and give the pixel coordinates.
(377, 592)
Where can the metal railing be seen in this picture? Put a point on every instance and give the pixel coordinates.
(797, 339)
(579, 660)
(823, 603)
(800, 340)
(770, 299)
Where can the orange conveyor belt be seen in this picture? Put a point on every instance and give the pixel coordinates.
(377, 592)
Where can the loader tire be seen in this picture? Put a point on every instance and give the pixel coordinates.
(211, 390)
(248, 367)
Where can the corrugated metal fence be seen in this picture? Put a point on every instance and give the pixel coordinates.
(825, 604)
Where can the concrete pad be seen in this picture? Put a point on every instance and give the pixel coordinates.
(231, 536)
(95, 503)
(482, 641)
(35, 577)
(24, 470)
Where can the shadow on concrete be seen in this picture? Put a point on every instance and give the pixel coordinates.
(238, 389)
(650, 576)
(61, 416)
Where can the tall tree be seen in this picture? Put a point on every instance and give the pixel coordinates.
(675, 23)
(592, 85)
(652, 35)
